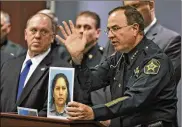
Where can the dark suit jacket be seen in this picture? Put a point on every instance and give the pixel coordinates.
(170, 42)
(34, 95)
(5, 57)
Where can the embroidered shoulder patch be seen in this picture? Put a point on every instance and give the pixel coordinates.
(152, 67)
(116, 101)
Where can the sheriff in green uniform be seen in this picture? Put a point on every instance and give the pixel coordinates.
(140, 75)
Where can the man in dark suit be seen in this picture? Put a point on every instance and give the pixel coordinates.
(7, 45)
(168, 40)
(39, 36)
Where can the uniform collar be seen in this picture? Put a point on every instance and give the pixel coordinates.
(130, 57)
(53, 109)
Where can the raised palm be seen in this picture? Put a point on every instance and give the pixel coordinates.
(74, 44)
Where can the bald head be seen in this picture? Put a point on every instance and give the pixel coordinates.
(47, 11)
(43, 17)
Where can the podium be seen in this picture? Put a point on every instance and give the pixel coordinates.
(14, 120)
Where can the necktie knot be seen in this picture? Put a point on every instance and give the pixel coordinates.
(29, 62)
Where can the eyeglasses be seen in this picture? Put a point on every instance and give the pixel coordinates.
(114, 29)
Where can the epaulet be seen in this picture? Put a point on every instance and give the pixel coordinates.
(149, 51)
(146, 48)
(101, 49)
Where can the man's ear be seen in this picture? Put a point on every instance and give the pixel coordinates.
(53, 37)
(136, 29)
(25, 32)
(98, 32)
(152, 5)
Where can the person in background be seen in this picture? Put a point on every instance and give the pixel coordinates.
(141, 76)
(58, 49)
(6, 45)
(27, 84)
(90, 22)
(60, 95)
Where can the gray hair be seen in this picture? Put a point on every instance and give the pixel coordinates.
(52, 24)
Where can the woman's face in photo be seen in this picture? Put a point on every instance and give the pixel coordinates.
(60, 92)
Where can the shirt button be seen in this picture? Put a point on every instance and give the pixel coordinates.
(90, 56)
(119, 85)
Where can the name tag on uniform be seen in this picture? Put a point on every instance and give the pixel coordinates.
(27, 111)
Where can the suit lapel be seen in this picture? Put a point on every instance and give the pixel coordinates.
(37, 74)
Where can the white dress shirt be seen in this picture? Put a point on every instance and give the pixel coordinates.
(149, 26)
(35, 62)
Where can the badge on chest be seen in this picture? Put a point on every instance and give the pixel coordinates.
(136, 72)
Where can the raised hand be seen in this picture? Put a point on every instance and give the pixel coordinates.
(78, 111)
(73, 42)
